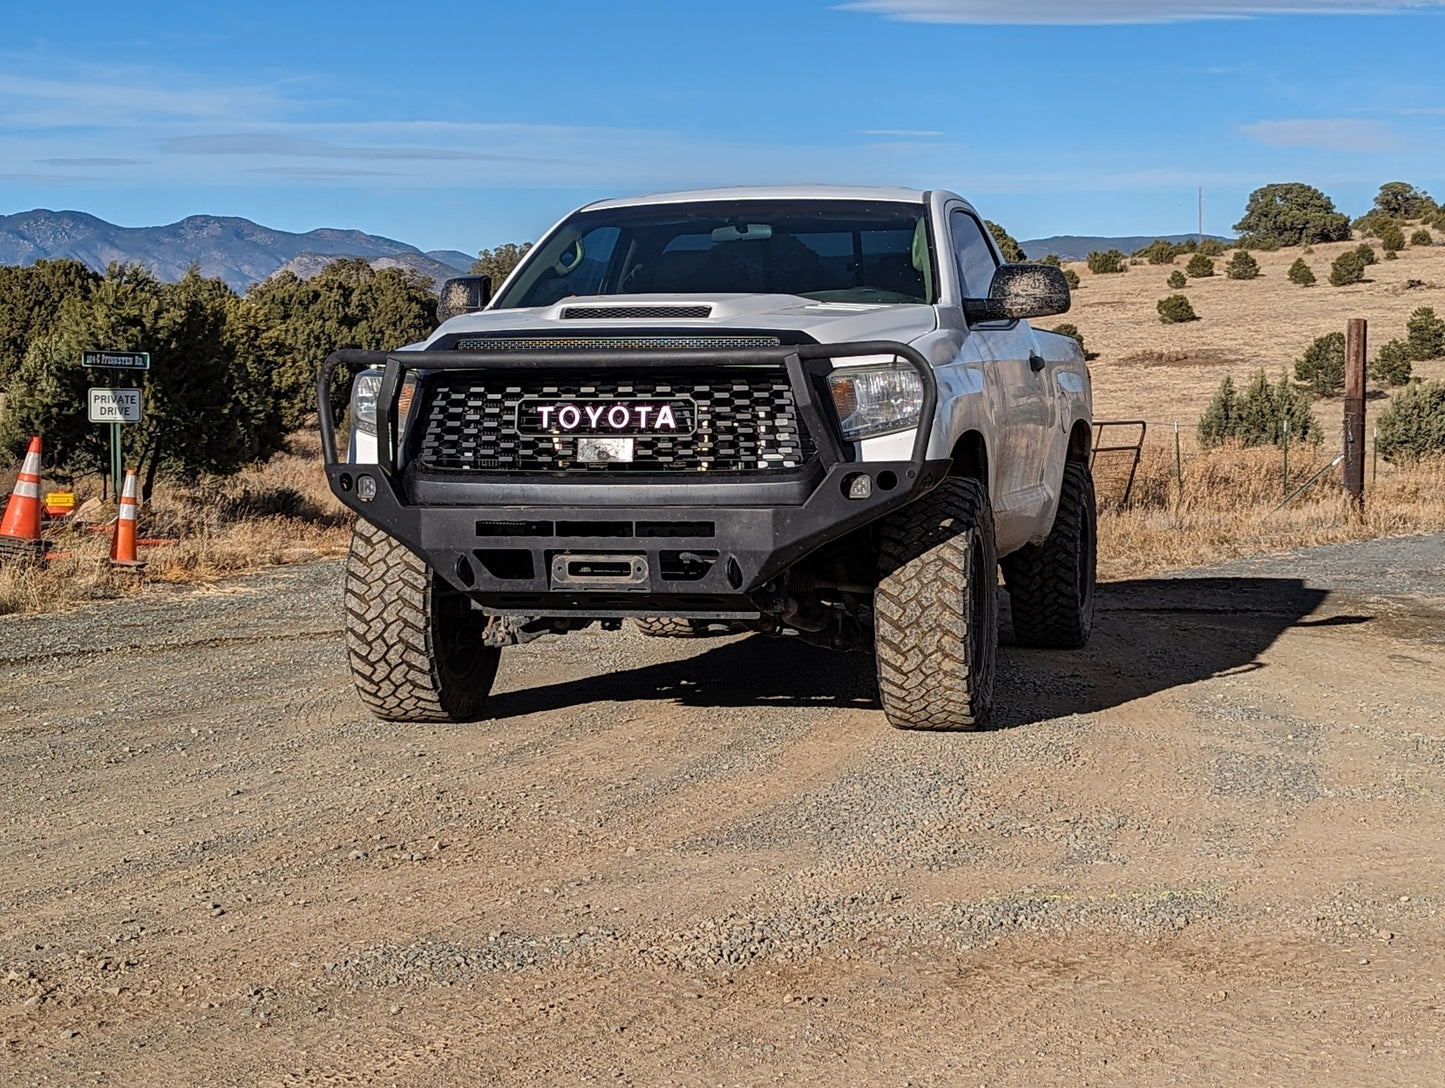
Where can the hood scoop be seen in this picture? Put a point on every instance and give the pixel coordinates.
(633, 313)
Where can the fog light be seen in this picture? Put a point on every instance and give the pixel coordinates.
(860, 486)
(365, 488)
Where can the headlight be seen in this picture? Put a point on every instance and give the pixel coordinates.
(364, 391)
(874, 400)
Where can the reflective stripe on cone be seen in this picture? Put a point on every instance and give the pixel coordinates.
(22, 514)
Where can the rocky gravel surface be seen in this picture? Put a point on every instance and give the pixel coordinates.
(1205, 850)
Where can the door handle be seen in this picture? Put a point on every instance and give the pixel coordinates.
(1036, 362)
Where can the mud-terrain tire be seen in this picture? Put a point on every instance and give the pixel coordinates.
(682, 627)
(1051, 585)
(414, 642)
(936, 610)
(670, 627)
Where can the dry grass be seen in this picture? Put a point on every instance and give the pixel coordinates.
(1229, 507)
(280, 512)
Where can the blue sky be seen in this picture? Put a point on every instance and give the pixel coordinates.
(1053, 116)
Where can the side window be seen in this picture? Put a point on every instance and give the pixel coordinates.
(970, 249)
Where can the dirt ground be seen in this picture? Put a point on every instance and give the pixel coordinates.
(1205, 851)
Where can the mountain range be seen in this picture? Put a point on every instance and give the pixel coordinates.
(242, 252)
(1074, 247)
(236, 250)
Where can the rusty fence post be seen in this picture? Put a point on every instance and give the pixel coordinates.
(1355, 410)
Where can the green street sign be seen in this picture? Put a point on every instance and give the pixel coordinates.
(117, 360)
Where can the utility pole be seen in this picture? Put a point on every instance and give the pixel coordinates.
(1201, 215)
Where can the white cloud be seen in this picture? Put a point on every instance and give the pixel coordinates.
(1337, 134)
(1082, 12)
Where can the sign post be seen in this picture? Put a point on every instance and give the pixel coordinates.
(116, 406)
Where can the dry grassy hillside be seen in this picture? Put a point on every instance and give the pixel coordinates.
(1167, 373)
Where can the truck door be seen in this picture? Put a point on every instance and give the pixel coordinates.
(1015, 381)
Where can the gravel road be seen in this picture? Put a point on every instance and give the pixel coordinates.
(1205, 851)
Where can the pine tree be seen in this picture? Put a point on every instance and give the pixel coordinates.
(1300, 273)
(1217, 422)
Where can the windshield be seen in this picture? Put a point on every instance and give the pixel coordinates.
(831, 251)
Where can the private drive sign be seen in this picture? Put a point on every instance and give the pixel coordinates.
(115, 405)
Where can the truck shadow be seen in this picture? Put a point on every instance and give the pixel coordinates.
(1150, 635)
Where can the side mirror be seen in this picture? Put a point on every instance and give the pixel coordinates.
(463, 295)
(1021, 290)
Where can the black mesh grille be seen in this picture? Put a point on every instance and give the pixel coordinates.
(746, 421)
(637, 313)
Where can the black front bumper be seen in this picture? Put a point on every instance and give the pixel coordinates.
(539, 545)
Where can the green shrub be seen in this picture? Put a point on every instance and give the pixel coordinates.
(1199, 267)
(1069, 329)
(1392, 367)
(1425, 333)
(1366, 253)
(1414, 425)
(1300, 273)
(1158, 252)
(1257, 417)
(1212, 247)
(1392, 238)
(1322, 367)
(1071, 278)
(1109, 260)
(1175, 310)
(1176, 279)
(1348, 267)
(1242, 266)
(1052, 260)
(1422, 237)
(1371, 223)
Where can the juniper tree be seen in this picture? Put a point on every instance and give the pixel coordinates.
(1300, 273)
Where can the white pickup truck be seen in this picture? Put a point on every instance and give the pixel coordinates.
(813, 412)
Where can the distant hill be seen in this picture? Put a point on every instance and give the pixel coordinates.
(237, 250)
(1076, 247)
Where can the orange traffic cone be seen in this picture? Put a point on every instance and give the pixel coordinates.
(20, 528)
(122, 545)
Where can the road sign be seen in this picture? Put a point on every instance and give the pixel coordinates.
(117, 360)
(115, 405)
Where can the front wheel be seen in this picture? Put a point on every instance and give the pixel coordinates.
(415, 644)
(936, 610)
(1051, 585)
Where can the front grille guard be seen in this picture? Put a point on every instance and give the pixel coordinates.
(791, 356)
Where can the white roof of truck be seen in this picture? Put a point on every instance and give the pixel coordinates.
(770, 192)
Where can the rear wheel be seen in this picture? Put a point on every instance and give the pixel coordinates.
(1051, 585)
(415, 644)
(936, 610)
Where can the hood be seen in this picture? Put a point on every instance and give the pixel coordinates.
(825, 322)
